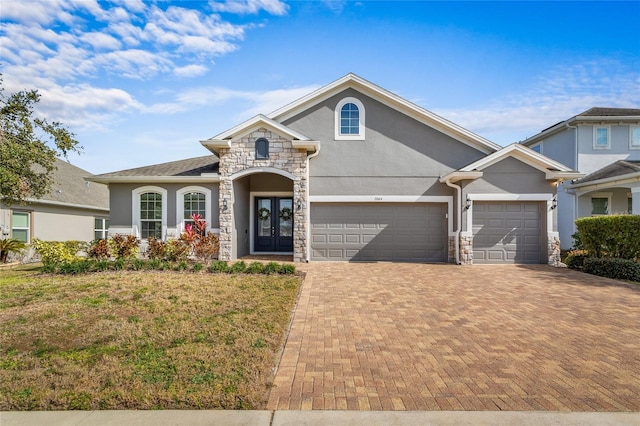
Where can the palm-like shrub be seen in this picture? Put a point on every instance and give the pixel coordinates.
(10, 245)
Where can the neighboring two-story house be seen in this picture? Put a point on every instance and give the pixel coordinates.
(352, 172)
(603, 144)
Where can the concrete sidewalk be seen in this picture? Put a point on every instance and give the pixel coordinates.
(315, 418)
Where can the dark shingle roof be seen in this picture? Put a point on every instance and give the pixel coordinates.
(610, 112)
(189, 167)
(619, 168)
(70, 186)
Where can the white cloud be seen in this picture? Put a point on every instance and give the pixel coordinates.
(274, 7)
(190, 70)
(101, 41)
(34, 11)
(558, 95)
(134, 63)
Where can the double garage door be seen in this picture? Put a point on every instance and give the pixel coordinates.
(507, 232)
(409, 232)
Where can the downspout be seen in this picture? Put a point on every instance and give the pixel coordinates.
(309, 157)
(575, 167)
(458, 219)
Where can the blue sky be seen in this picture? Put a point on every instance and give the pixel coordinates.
(142, 82)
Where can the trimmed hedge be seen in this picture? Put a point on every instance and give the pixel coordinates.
(82, 266)
(621, 269)
(616, 236)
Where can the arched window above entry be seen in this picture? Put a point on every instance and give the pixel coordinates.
(262, 149)
(349, 119)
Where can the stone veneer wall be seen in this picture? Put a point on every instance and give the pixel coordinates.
(466, 250)
(282, 156)
(553, 250)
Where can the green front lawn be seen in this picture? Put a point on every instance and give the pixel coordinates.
(140, 340)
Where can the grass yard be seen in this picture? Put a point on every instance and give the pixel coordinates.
(140, 340)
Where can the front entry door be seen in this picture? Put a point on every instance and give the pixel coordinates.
(274, 224)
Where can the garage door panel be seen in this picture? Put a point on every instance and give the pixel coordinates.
(506, 232)
(409, 232)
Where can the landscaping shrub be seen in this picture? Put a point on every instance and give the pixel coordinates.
(10, 245)
(616, 236)
(218, 266)
(197, 267)
(272, 268)
(238, 267)
(177, 251)
(254, 268)
(288, 268)
(99, 249)
(575, 259)
(124, 246)
(577, 241)
(622, 269)
(206, 247)
(181, 266)
(52, 252)
(157, 249)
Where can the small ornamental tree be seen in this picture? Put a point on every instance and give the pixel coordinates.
(29, 146)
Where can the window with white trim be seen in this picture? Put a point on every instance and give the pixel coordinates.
(634, 137)
(21, 226)
(349, 119)
(194, 203)
(601, 136)
(537, 147)
(192, 200)
(151, 215)
(599, 206)
(100, 228)
(630, 205)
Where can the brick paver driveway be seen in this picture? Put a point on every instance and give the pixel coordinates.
(384, 336)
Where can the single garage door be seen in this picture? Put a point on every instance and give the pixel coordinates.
(506, 232)
(414, 232)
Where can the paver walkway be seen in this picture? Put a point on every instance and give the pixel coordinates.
(381, 336)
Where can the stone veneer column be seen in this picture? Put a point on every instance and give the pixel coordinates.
(553, 251)
(466, 249)
(226, 218)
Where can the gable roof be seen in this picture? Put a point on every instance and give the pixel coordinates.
(390, 99)
(626, 170)
(595, 115)
(224, 139)
(190, 170)
(553, 170)
(71, 189)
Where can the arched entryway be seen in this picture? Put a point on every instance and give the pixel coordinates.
(263, 213)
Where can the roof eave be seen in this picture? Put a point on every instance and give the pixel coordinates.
(205, 177)
(562, 176)
(457, 176)
(376, 92)
(610, 181)
(65, 204)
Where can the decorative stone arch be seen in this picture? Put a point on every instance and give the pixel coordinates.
(255, 170)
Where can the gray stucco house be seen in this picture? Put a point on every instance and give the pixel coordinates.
(604, 144)
(352, 172)
(74, 209)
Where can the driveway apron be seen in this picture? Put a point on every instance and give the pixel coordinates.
(393, 336)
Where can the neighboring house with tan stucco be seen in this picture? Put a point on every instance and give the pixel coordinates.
(74, 209)
(352, 172)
